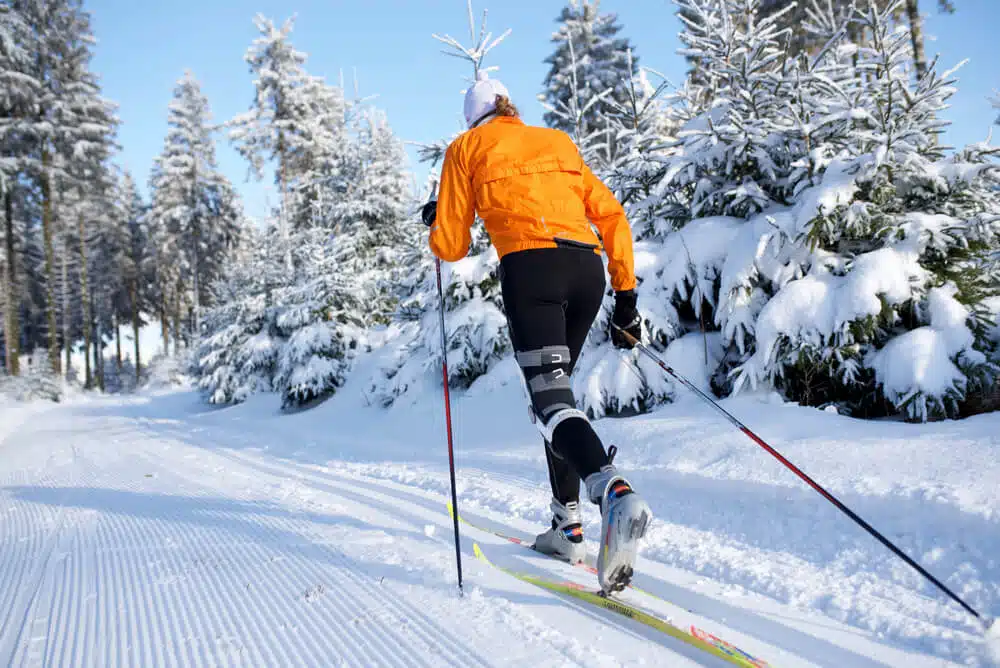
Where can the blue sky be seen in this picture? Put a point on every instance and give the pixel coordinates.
(145, 46)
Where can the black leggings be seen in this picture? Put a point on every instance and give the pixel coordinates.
(551, 297)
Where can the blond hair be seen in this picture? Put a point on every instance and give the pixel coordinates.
(504, 107)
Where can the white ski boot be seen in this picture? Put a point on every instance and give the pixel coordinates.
(624, 520)
(565, 539)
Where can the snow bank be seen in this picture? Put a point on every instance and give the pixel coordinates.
(918, 369)
(817, 310)
(691, 258)
(695, 356)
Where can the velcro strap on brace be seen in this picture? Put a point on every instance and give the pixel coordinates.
(543, 356)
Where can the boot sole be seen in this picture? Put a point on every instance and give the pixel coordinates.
(621, 573)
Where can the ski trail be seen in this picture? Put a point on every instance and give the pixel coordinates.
(135, 539)
(352, 584)
(795, 639)
(388, 519)
(420, 510)
(145, 559)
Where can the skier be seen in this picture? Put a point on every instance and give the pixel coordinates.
(538, 199)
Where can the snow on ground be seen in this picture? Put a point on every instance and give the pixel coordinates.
(156, 530)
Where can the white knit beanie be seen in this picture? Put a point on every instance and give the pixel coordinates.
(480, 99)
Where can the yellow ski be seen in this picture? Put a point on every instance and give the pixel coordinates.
(697, 638)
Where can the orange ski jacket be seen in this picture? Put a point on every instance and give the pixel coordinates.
(532, 189)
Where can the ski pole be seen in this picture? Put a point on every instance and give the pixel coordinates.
(809, 481)
(447, 416)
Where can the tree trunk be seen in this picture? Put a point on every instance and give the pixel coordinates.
(99, 341)
(12, 329)
(196, 244)
(917, 37)
(283, 181)
(66, 335)
(118, 343)
(177, 324)
(164, 326)
(50, 282)
(85, 295)
(93, 355)
(197, 298)
(134, 295)
(98, 349)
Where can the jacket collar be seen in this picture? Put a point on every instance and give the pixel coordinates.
(492, 116)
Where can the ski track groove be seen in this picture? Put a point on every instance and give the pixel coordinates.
(376, 637)
(164, 533)
(170, 595)
(170, 559)
(17, 551)
(344, 583)
(344, 480)
(27, 603)
(430, 634)
(339, 486)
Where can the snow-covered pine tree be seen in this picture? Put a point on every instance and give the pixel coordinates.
(576, 115)
(712, 260)
(474, 318)
(599, 62)
(105, 245)
(893, 300)
(86, 147)
(238, 355)
(135, 263)
(296, 120)
(196, 210)
(59, 42)
(17, 88)
(369, 209)
(344, 269)
(321, 317)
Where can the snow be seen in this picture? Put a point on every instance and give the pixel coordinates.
(820, 307)
(158, 530)
(993, 640)
(919, 364)
(694, 356)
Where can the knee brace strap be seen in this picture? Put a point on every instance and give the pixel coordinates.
(548, 426)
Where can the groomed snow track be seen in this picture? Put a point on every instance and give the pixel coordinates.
(135, 536)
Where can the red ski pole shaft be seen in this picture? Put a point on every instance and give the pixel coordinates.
(797, 471)
(447, 416)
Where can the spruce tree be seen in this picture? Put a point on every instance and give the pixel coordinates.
(69, 132)
(344, 272)
(195, 208)
(134, 263)
(296, 121)
(17, 90)
(851, 259)
(590, 58)
(238, 355)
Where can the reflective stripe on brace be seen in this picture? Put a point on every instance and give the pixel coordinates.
(543, 356)
(549, 426)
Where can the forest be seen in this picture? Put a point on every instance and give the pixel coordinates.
(799, 224)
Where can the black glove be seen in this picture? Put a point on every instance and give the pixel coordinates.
(429, 213)
(625, 317)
